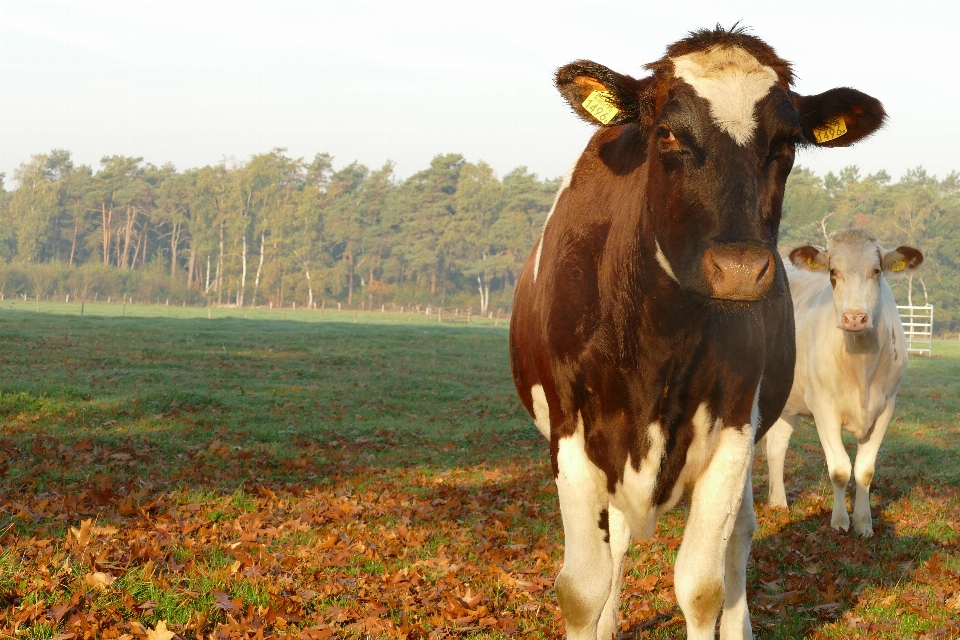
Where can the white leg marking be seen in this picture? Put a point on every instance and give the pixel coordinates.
(715, 517)
(563, 185)
(541, 410)
(863, 471)
(583, 586)
(634, 496)
(732, 82)
(706, 431)
(735, 622)
(777, 441)
(619, 544)
(663, 262)
(699, 572)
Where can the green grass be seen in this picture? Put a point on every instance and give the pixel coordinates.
(204, 426)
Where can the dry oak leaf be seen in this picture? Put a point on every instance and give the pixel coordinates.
(160, 632)
(99, 580)
(104, 531)
(82, 535)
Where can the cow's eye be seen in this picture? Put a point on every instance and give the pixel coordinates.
(833, 272)
(781, 150)
(876, 271)
(666, 139)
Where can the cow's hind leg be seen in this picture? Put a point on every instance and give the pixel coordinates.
(583, 586)
(714, 512)
(863, 471)
(619, 544)
(777, 441)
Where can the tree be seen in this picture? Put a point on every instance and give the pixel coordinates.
(33, 208)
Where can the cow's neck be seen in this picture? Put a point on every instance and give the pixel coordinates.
(864, 352)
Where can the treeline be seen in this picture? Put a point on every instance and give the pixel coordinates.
(278, 230)
(919, 210)
(275, 230)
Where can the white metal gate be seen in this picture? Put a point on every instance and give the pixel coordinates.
(918, 328)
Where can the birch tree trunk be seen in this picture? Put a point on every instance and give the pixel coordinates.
(73, 245)
(218, 280)
(174, 247)
(306, 270)
(256, 282)
(206, 289)
(190, 267)
(243, 273)
(128, 231)
(484, 293)
(136, 251)
(146, 241)
(350, 287)
(107, 219)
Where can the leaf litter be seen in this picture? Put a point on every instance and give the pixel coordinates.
(387, 533)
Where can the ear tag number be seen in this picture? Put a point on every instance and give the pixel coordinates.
(599, 104)
(830, 131)
(813, 265)
(898, 266)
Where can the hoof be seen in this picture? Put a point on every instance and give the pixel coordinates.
(864, 529)
(840, 521)
(779, 502)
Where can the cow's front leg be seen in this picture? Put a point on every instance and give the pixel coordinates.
(863, 471)
(735, 622)
(838, 464)
(583, 586)
(777, 441)
(714, 512)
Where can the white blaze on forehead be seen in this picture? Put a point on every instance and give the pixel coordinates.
(732, 81)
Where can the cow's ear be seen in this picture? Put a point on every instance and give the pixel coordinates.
(901, 260)
(839, 117)
(810, 258)
(601, 96)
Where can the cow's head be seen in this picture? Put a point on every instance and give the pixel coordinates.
(716, 126)
(856, 265)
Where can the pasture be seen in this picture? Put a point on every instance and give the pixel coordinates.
(253, 476)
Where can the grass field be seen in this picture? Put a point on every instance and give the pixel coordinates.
(216, 477)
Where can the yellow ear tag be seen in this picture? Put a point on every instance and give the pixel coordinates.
(813, 265)
(599, 104)
(830, 131)
(899, 265)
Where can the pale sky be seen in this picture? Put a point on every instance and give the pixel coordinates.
(192, 83)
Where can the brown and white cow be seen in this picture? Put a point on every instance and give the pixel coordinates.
(851, 357)
(653, 306)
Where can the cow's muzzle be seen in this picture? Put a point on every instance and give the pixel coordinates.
(854, 321)
(738, 273)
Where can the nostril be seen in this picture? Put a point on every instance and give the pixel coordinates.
(764, 269)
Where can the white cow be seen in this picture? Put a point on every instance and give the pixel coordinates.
(851, 358)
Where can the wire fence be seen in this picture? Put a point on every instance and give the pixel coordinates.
(361, 314)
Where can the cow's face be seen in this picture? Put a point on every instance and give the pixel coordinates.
(720, 126)
(856, 265)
